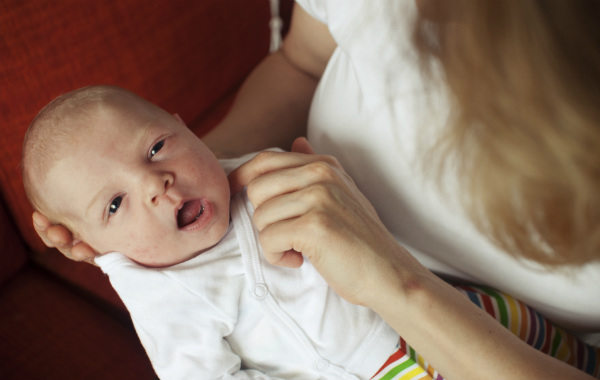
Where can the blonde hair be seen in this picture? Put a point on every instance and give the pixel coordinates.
(524, 77)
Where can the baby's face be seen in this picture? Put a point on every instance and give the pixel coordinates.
(149, 189)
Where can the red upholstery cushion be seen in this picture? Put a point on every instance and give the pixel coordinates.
(12, 252)
(183, 55)
(49, 332)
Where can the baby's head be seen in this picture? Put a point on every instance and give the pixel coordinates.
(124, 175)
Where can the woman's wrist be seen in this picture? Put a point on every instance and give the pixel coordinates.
(398, 279)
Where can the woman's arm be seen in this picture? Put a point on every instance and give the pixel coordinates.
(307, 204)
(459, 339)
(271, 108)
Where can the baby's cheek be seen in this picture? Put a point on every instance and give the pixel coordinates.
(144, 248)
(136, 244)
(121, 241)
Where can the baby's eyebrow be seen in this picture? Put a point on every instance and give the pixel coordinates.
(146, 129)
(95, 199)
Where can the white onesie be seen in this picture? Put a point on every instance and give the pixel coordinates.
(229, 314)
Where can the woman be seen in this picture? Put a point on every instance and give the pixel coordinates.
(472, 130)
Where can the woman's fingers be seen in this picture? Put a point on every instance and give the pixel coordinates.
(301, 145)
(59, 237)
(330, 241)
(83, 252)
(287, 259)
(306, 205)
(290, 180)
(41, 224)
(269, 162)
(290, 205)
(54, 236)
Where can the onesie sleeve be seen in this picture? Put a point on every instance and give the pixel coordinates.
(182, 331)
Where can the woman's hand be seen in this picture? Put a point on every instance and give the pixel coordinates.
(306, 205)
(59, 237)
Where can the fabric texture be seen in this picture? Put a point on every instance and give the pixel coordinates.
(49, 332)
(373, 112)
(228, 313)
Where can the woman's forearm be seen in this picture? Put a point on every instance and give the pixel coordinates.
(460, 340)
(271, 109)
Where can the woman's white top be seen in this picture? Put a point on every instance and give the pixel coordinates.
(370, 110)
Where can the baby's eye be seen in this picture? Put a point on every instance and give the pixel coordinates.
(156, 148)
(114, 205)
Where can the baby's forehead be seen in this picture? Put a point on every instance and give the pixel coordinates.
(94, 129)
(105, 121)
(75, 133)
(105, 136)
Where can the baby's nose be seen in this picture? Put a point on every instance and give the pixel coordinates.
(157, 185)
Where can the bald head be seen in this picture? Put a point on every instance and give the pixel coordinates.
(62, 124)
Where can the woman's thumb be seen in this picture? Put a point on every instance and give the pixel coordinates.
(301, 145)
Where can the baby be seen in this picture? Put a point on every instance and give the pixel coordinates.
(139, 187)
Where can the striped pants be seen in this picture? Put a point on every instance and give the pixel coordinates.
(513, 314)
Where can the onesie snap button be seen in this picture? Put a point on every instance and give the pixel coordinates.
(322, 365)
(260, 291)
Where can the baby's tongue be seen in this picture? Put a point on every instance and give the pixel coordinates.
(189, 213)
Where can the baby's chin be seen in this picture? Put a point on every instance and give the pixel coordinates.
(165, 263)
(158, 262)
(217, 234)
(154, 261)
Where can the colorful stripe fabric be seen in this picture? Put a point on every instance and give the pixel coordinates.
(520, 319)
(531, 327)
(400, 366)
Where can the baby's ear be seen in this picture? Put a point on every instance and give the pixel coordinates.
(179, 119)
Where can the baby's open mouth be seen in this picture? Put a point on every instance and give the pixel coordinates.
(189, 213)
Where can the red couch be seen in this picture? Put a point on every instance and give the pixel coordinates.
(60, 319)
